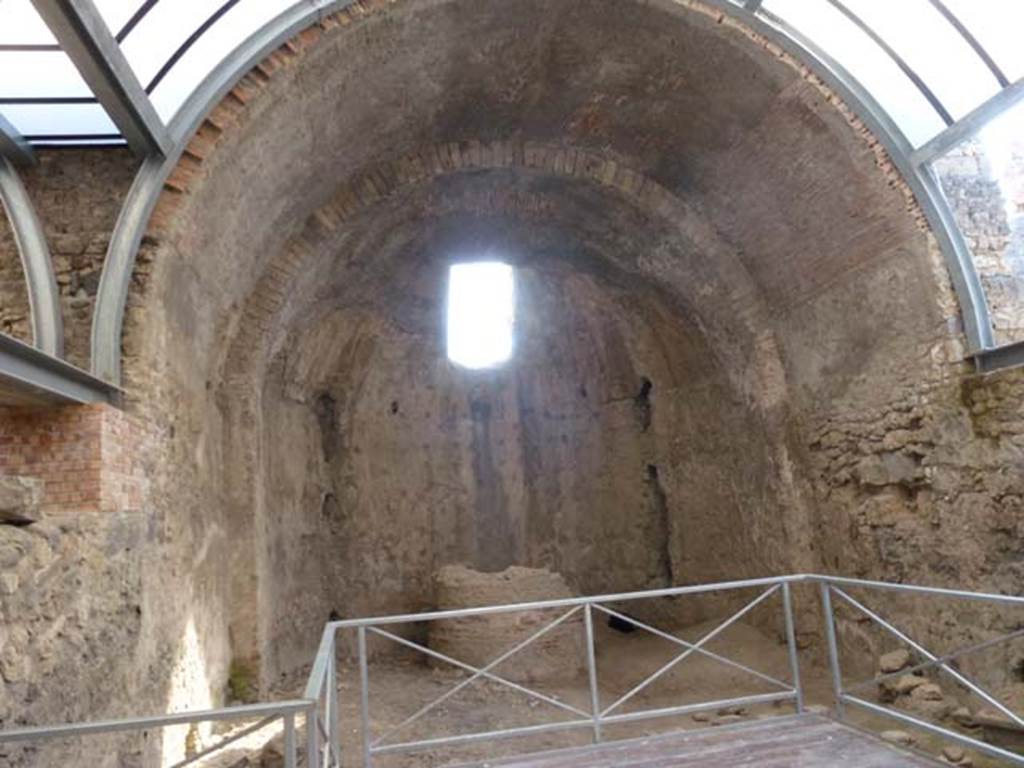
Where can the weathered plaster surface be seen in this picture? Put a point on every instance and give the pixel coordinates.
(684, 207)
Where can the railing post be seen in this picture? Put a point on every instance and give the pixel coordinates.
(290, 757)
(333, 715)
(312, 740)
(364, 697)
(595, 704)
(833, 647)
(794, 662)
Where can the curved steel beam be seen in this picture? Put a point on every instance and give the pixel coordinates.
(973, 304)
(148, 184)
(131, 224)
(84, 36)
(43, 296)
(971, 294)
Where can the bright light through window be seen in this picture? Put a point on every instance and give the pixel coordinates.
(481, 313)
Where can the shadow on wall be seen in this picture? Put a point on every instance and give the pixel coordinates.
(343, 465)
(609, 449)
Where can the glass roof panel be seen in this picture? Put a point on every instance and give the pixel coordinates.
(21, 25)
(914, 28)
(42, 74)
(997, 24)
(59, 119)
(117, 12)
(39, 74)
(1003, 140)
(983, 180)
(866, 61)
(933, 48)
(161, 32)
(229, 31)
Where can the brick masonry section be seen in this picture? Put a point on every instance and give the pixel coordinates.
(87, 457)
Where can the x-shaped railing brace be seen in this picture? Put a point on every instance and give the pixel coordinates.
(933, 660)
(478, 672)
(694, 647)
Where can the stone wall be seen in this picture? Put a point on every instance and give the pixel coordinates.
(740, 361)
(107, 605)
(915, 462)
(556, 655)
(72, 617)
(607, 450)
(14, 308)
(77, 195)
(71, 583)
(931, 486)
(989, 207)
(826, 304)
(929, 489)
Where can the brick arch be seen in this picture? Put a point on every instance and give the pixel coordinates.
(261, 325)
(189, 166)
(250, 346)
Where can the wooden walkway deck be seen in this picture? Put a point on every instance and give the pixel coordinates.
(809, 741)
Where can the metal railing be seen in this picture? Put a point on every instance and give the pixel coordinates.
(832, 587)
(320, 713)
(597, 716)
(265, 715)
(323, 745)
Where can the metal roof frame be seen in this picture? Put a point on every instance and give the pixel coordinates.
(108, 315)
(973, 304)
(83, 35)
(86, 24)
(969, 125)
(41, 378)
(142, 197)
(900, 62)
(43, 296)
(972, 41)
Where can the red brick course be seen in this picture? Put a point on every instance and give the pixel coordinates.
(88, 457)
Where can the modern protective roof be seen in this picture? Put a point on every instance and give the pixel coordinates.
(924, 75)
(171, 45)
(927, 63)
